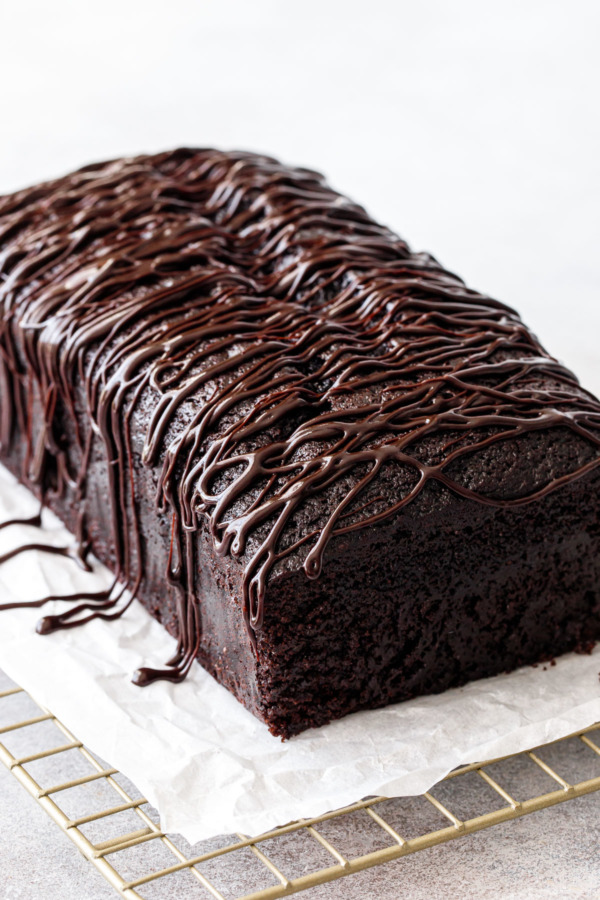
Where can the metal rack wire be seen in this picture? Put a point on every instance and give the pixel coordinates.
(107, 835)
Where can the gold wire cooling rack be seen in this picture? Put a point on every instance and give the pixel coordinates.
(116, 825)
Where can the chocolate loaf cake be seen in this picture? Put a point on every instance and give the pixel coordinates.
(338, 476)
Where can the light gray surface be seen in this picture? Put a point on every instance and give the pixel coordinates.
(553, 853)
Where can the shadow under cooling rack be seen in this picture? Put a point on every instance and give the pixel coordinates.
(119, 833)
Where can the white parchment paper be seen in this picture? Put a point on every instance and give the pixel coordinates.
(209, 766)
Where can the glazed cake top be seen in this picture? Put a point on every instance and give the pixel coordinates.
(302, 372)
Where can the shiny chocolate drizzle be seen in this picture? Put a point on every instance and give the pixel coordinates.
(281, 349)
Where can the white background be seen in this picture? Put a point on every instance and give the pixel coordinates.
(472, 128)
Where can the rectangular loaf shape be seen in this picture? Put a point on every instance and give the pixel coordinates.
(338, 476)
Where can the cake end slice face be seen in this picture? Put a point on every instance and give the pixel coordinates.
(453, 592)
(335, 473)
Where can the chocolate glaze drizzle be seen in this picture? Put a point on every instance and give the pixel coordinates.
(266, 348)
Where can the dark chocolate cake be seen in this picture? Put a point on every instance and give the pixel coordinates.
(338, 476)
